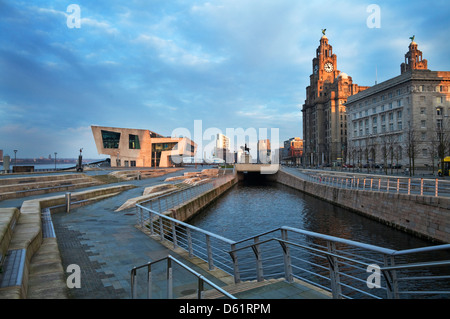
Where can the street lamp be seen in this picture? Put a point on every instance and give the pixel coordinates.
(55, 160)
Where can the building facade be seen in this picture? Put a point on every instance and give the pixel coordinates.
(293, 151)
(324, 111)
(403, 121)
(141, 148)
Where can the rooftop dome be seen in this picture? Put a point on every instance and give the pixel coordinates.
(343, 75)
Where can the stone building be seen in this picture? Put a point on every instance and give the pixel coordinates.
(402, 121)
(324, 112)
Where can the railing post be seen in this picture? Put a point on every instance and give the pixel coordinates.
(189, 240)
(68, 198)
(174, 234)
(387, 186)
(150, 215)
(391, 278)
(398, 185)
(161, 228)
(200, 288)
(409, 186)
(436, 188)
(287, 257)
(133, 283)
(421, 186)
(237, 276)
(259, 265)
(169, 279)
(209, 252)
(334, 271)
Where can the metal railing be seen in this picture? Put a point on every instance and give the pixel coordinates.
(169, 279)
(338, 266)
(410, 186)
(344, 267)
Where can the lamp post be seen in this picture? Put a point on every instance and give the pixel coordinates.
(55, 160)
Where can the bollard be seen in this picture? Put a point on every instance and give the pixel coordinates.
(68, 196)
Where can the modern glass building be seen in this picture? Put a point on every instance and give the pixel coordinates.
(141, 148)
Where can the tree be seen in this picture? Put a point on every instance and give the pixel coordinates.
(411, 148)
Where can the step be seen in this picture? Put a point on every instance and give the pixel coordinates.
(47, 190)
(8, 220)
(234, 289)
(33, 179)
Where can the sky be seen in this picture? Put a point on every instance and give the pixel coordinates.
(164, 65)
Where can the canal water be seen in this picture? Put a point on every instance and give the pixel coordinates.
(251, 208)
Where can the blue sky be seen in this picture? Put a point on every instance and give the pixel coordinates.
(161, 65)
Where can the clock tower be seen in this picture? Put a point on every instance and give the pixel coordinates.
(325, 62)
(324, 116)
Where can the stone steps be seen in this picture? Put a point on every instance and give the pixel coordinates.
(31, 261)
(28, 186)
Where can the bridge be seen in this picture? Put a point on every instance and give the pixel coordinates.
(265, 170)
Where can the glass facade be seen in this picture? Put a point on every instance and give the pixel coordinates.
(110, 139)
(133, 142)
(157, 148)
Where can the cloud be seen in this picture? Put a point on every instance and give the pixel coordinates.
(162, 64)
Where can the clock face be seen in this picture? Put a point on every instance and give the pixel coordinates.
(316, 69)
(328, 67)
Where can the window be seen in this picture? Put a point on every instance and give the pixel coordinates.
(423, 124)
(391, 127)
(374, 120)
(423, 110)
(438, 111)
(399, 114)
(110, 139)
(424, 152)
(399, 126)
(133, 143)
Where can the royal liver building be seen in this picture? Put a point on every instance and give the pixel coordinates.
(403, 121)
(324, 113)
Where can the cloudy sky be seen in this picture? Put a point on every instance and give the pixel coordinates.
(162, 64)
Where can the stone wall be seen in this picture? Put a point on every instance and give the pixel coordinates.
(189, 209)
(424, 216)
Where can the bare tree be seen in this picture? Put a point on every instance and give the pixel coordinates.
(411, 148)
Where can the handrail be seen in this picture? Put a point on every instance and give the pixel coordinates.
(229, 241)
(169, 258)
